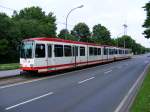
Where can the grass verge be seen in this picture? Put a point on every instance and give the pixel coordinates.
(142, 100)
(9, 66)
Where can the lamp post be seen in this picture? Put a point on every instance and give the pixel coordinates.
(70, 12)
(125, 33)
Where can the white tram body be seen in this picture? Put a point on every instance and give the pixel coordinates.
(52, 54)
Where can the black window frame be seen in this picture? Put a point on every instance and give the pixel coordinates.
(98, 51)
(60, 48)
(82, 51)
(68, 50)
(91, 51)
(105, 51)
(116, 51)
(39, 54)
(95, 51)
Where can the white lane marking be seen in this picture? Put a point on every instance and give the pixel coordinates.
(85, 80)
(27, 101)
(108, 71)
(109, 68)
(122, 103)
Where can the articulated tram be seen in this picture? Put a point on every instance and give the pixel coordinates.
(52, 54)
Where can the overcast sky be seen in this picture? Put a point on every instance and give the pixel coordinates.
(110, 13)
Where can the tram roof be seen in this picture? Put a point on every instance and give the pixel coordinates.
(68, 41)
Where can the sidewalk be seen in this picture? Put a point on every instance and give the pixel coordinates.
(8, 73)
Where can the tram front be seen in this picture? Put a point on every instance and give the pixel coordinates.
(27, 55)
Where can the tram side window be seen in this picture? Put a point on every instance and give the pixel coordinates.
(67, 50)
(116, 51)
(110, 51)
(58, 50)
(40, 51)
(49, 50)
(99, 51)
(91, 51)
(82, 51)
(119, 51)
(95, 51)
(105, 51)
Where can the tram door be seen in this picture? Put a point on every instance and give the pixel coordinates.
(49, 56)
(106, 52)
(40, 56)
(75, 54)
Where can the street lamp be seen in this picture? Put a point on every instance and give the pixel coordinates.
(70, 12)
(125, 33)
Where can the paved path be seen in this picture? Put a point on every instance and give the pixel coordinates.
(9, 73)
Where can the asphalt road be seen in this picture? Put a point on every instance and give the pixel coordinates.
(96, 89)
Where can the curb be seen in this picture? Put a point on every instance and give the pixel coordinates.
(127, 101)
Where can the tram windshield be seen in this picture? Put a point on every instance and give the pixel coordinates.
(26, 50)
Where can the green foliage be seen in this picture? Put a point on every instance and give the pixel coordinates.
(9, 66)
(101, 34)
(128, 41)
(3, 46)
(131, 44)
(114, 42)
(5, 25)
(147, 20)
(30, 13)
(34, 22)
(62, 33)
(28, 23)
(82, 31)
(142, 100)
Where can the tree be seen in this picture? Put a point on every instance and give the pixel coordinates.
(5, 28)
(82, 31)
(113, 42)
(29, 22)
(30, 13)
(131, 44)
(62, 33)
(5, 24)
(34, 22)
(147, 20)
(101, 34)
(127, 40)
